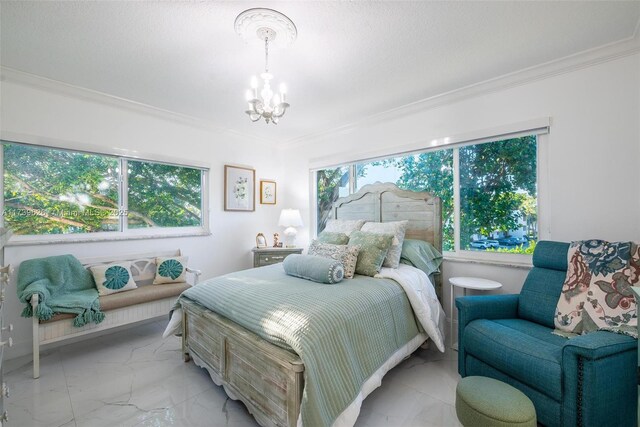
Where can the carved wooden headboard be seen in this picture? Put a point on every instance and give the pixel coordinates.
(384, 202)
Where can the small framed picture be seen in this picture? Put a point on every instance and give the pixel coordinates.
(267, 192)
(239, 189)
(261, 241)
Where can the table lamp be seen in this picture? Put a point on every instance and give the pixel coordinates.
(290, 218)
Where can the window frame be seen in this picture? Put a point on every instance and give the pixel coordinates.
(540, 130)
(124, 232)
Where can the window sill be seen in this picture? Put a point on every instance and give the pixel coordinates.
(524, 263)
(55, 240)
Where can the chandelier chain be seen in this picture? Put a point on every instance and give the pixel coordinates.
(266, 54)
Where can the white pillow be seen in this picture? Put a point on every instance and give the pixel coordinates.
(344, 226)
(397, 228)
(170, 269)
(113, 278)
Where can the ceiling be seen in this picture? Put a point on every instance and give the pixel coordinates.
(351, 59)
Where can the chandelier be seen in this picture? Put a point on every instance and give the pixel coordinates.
(267, 25)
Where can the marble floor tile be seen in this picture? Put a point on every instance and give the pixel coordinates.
(135, 378)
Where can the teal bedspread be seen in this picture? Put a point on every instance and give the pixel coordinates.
(343, 333)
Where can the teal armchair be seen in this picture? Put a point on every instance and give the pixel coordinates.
(587, 381)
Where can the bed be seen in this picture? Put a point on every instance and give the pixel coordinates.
(267, 375)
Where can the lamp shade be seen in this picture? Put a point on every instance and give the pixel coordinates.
(290, 218)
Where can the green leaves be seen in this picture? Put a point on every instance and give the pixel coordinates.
(49, 191)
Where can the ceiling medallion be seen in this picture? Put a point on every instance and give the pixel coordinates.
(269, 27)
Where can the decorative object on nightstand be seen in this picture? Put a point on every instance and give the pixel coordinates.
(290, 218)
(268, 256)
(465, 283)
(261, 241)
(276, 240)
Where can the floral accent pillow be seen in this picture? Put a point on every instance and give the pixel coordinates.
(597, 294)
(373, 250)
(333, 238)
(170, 270)
(346, 226)
(347, 255)
(113, 278)
(397, 228)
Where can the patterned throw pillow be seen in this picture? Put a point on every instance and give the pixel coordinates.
(347, 255)
(333, 238)
(344, 226)
(397, 228)
(373, 250)
(170, 270)
(112, 278)
(597, 294)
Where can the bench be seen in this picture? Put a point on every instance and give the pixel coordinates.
(146, 302)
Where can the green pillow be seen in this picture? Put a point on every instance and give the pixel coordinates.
(422, 255)
(333, 238)
(315, 268)
(373, 250)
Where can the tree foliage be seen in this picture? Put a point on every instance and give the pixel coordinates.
(163, 195)
(328, 183)
(48, 191)
(431, 172)
(497, 187)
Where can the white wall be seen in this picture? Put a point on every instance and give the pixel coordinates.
(53, 114)
(590, 166)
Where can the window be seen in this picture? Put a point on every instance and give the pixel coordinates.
(496, 197)
(50, 191)
(330, 185)
(431, 171)
(163, 195)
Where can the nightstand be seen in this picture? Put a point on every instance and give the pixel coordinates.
(268, 256)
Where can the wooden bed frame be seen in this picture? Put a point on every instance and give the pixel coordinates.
(266, 378)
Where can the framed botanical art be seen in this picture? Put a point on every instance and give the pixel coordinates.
(239, 189)
(267, 192)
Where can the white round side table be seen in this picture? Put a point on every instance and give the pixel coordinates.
(465, 283)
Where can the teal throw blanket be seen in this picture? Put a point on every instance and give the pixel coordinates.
(63, 285)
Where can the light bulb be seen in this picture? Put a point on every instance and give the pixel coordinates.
(249, 95)
(276, 99)
(254, 82)
(283, 91)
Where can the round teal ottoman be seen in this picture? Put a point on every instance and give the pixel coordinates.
(485, 402)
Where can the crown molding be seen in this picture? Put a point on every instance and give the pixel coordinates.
(574, 62)
(13, 75)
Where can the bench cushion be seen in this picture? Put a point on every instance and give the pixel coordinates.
(139, 295)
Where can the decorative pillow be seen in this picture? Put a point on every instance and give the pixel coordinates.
(333, 238)
(422, 255)
(373, 250)
(346, 226)
(170, 270)
(315, 268)
(597, 294)
(397, 228)
(347, 255)
(112, 278)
